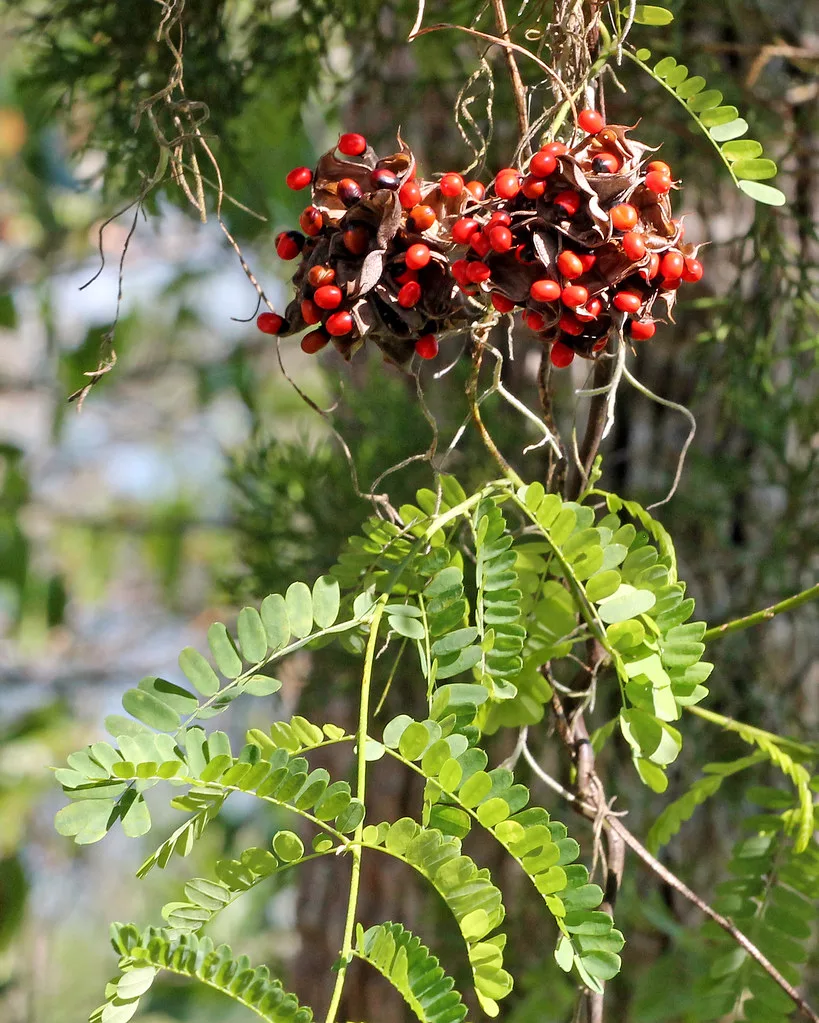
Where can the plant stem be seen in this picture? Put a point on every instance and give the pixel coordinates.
(518, 89)
(762, 616)
(613, 823)
(361, 784)
(578, 475)
(730, 725)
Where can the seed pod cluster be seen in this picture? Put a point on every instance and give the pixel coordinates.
(582, 242)
(374, 254)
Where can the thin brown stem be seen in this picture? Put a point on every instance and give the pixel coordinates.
(744, 942)
(578, 474)
(587, 805)
(518, 88)
(508, 45)
(474, 406)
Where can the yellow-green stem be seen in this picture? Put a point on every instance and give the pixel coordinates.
(764, 615)
(730, 725)
(361, 785)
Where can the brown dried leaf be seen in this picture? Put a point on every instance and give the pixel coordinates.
(511, 277)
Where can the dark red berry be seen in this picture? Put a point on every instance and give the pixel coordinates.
(409, 194)
(310, 312)
(658, 183)
(569, 200)
(555, 148)
(356, 240)
(349, 191)
(427, 346)
(693, 269)
(501, 302)
(624, 217)
(477, 189)
(587, 260)
(270, 323)
(298, 178)
(422, 218)
(591, 121)
(407, 276)
(672, 264)
(451, 184)
(574, 295)
(570, 324)
(545, 291)
(569, 264)
(532, 187)
(507, 183)
(338, 324)
(417, 256)
(463, 229)
(478, 272)
(409, 294)
(627, 301)
(605, 163)
(480, 243)
(561, 355)
(289, 244)
(311, 221)
(642, 330)
(593, 309)
(500, 238)
(383, 178)
(318, 275)
(542, 164)
(534, 321)
(499, 218)
(460, 269)
(328, 297)
(314, 342)
(634, 246)
(352, 144)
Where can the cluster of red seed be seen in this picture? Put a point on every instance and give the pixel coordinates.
(583, 242)
(374, 247)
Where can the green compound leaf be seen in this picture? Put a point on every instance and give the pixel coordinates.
(326, 601)
(251, 635)
(466, 891)
(144, 954)
(647, 15)
(763, 193)
(721, 125)
(539, 845)
(275, 620)
(771, 895)
(745, 149)
(626, 602)
(412, 970)
(681, 810)
(299, 603)
(730, 130)
(151, 710)
(288, 846)
(224, 652)
(198, 671)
